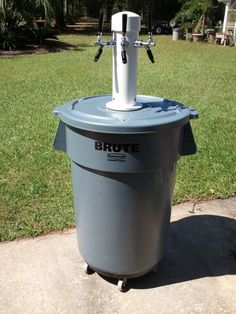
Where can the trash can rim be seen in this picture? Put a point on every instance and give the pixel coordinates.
(91, 114)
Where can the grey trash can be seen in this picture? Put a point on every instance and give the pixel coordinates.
(123, 174)
(176, 34)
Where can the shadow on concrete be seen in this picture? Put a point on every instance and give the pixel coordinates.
(197, 247)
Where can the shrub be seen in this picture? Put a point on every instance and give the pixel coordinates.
(17, 24)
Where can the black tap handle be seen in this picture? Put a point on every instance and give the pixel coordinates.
(150, 55)
(149, 22)
(123, 56)
(98, 54)
(124, 23)
(100, 26)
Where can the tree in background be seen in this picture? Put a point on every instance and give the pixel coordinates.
(199, 13)
(17, 21)
(18, 17)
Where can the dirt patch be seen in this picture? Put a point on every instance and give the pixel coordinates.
(47, 46)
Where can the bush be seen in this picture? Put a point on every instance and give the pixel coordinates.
(19, 36)
(18, 26)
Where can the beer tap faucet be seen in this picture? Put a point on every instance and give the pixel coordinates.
(99, 42)
(147, 44)
(99, 39)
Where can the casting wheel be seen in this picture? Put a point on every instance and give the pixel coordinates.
(154, 270)
(87, 269)
(121, 285)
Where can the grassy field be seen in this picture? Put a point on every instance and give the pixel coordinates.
(36, 194)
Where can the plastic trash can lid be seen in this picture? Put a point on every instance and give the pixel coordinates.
(91, 114)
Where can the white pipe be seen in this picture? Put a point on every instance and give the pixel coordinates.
(226, 17)
(124, 77)
(235, 33)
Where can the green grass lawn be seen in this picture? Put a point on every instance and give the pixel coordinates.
(36, 194)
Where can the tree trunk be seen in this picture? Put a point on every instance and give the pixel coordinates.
(73, 8)
(200, 24)
(65, 8)
(60, 17)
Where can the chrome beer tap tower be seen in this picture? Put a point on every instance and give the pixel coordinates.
(125, 27)
(124, 42)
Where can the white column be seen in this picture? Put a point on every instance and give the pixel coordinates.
(235, 33)
(124, 77)
(226, 17)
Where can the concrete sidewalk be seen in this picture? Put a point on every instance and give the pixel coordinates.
(197, 274)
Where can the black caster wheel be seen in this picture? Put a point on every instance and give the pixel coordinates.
(87, 269)
(122, 285)
(154, 270)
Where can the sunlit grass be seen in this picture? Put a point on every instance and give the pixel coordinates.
(36, 194)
